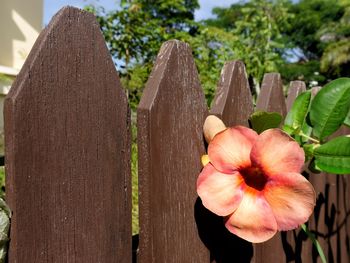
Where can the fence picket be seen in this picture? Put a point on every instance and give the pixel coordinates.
(170, 142)
(233, 102)
(330, 221)
(271, 95)
(68, 149)
(271, 99)
(68, 182)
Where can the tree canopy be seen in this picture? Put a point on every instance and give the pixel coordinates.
(307, 40)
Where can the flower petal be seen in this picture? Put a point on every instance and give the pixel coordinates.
(253, 220)
(230, 149)
(292, 199)
(220, 193)
(276, 152)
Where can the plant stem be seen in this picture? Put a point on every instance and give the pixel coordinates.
(315, 242)
(308, 137)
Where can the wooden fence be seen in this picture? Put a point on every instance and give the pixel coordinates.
(67, 130)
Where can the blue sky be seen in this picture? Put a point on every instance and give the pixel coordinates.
(52, 6)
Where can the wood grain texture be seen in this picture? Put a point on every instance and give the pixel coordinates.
(271, 96)
(67, 129)
(233, 102)
(271, 99)
(170, 118)
(331, 218)
(297, 247)
(295, 88)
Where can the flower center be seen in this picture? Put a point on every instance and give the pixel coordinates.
(254, 178)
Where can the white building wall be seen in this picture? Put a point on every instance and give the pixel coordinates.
(20, 24)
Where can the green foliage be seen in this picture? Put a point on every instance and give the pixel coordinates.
(312, 121)
(334, 156)
(134, 180)
(5, 79)
(135, 32)
(261, 120)
(295, 118)
(319, 30)
(336, 56)
(211, 49)
(309, 72)
(311, 16)
(259, 36)
(326, 112)
(330, 107)
(347, 120)
(257, 24)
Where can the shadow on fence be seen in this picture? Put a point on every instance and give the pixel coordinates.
(67, 128)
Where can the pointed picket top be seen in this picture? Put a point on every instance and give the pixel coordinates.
(271, 99)
(68, 149)
(295, 88)
(170, 144)
(233, 102)
(271, 96)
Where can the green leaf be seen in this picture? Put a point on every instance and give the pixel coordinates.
(334, 156)
(347, 120)
(296, 116)
(262, 120)
(309, 150)
(306, 130)
(313, 167)
(330, 107)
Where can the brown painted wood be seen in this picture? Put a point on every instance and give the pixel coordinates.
(332, 221)
(343, 215)
(67, 129)
(170, 119)
(298, 247)
(331, 218)
(271, 99)
(295, 88)
(271, 95)
(233, 101)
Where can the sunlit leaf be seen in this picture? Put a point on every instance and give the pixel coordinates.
(334, 156)
(296, 116)
(330, 107)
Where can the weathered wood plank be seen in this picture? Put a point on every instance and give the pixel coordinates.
(297, 247)
(343, 215)
(331, 221)
(271, 96)
(68, 149)
(271, 99)
(233, 102)
(170, 118)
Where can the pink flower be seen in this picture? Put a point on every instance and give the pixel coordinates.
(254, 182)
